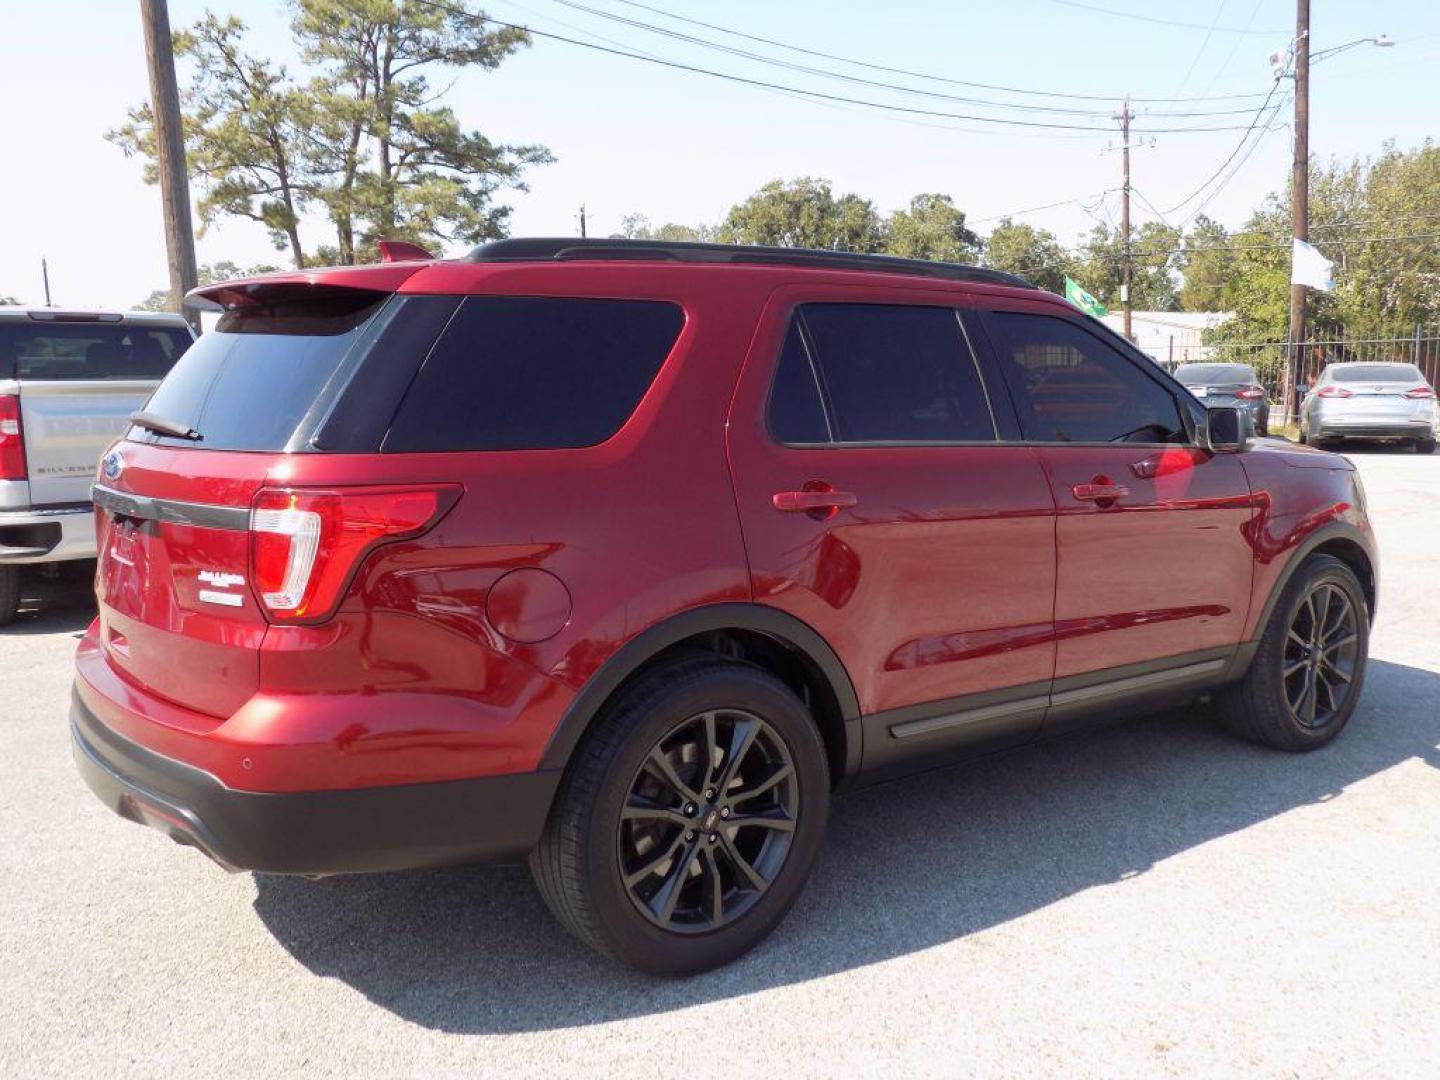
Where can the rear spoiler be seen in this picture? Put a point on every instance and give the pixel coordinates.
(244, 292)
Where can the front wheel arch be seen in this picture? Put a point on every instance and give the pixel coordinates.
(1345, 543)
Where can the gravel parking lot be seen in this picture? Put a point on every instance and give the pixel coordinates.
(1151, 898)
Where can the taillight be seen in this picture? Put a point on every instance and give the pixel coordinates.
(1335, 391)
(1420, 392)
(12, 439)
(1250, 393)
(305, 544)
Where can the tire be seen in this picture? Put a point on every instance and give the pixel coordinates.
(1275, 709)
(9, 594)
(580, 865)
(1424, 446)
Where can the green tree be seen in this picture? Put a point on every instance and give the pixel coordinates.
(1154, 259)
(1207, 266)
(932, 228)
(245, 124)
(208, 274)
(392, 163)
(804, 213)
(1032, 253)
(638, 227)
(1386, 287)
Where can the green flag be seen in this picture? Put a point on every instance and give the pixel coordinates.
(1082, 299)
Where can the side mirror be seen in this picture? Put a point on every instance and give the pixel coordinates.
(1224, 430)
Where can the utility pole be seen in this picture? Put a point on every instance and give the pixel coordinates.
(170, 153)
(1299, 200)
(582, 221)
(45, 273)
(1125, 115)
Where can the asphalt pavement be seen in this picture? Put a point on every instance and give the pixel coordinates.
(1149, 899)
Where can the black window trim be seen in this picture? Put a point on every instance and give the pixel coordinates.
(1185, 402)
(796, 314)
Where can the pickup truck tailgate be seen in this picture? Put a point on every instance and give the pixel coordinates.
(68, 424)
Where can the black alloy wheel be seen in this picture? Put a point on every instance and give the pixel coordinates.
(689, 817)
(1304, 681)
(708, 822)
(1322, 648)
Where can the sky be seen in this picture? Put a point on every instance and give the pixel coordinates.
(635, 137)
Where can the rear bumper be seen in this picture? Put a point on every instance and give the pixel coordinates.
(1396, 429)
(51, 535)
(392, 827)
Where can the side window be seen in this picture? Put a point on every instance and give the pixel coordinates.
(896, 373)
(1070, 386)
(796, 412)
(531, 373)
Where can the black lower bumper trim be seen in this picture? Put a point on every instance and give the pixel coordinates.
(1378, 431)
(396, 827)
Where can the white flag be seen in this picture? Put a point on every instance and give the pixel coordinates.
(1309, 267)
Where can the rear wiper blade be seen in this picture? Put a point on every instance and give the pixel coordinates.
(161, 426)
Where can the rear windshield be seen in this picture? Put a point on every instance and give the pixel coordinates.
(42, 351)
(247, 384)
(1401, 373)
(1195, 374)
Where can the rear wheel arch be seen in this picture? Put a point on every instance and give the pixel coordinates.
(768, 638)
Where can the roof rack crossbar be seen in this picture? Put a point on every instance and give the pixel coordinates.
(534, 249)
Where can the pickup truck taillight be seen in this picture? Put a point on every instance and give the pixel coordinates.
(305, 544)
(12, 439)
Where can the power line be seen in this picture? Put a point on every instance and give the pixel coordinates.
(917, 74)
(1233, 50)
(1036, 209)
(1204, 44)
(1235, 171)
(1097, 9)
(1223, 165)
(815, 94)
(876, 83)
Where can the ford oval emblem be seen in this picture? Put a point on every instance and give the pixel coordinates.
(111, 464)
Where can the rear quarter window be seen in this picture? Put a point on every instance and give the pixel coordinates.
(534, 373)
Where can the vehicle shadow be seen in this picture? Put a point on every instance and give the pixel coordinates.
(52, 605)
(906, 866)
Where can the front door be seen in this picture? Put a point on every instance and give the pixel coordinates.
(880, 507)
(1154, 565)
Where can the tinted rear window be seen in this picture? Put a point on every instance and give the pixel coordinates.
(897, 373)
(1198, 374)
(247, 384)
(1376, 373)
(522, 373)
(73, 351)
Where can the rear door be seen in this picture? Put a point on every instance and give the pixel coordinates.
(1154, 561)
(880, 506)
(80, 378)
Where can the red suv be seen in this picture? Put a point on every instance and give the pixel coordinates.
(623, 556)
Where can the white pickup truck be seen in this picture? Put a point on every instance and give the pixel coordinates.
(68, 383)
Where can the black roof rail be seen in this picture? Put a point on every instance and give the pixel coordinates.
(532, 249)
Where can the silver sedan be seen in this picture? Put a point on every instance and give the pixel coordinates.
(1370, 401)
